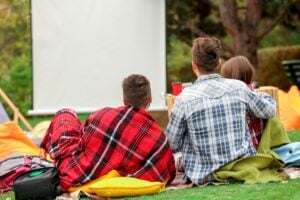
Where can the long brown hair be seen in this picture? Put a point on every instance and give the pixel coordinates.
(239, 68)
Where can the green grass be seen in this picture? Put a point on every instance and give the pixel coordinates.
(294, 136)
(7, 196)
(266, 191)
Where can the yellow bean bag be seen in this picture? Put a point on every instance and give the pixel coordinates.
(289, 108)
(113, 185)
(14, 140)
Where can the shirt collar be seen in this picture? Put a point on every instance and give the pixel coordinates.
(207, 77)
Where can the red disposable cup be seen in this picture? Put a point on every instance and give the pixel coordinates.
(176, 88)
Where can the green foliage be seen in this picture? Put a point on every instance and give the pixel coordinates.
(17, 84)
(15, 57)
(280, 36)
(179, 54)
(271, 8)
(179, 62)
(191, 18)
(271, 71)
(202, 14)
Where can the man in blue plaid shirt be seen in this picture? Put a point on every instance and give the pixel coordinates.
(208, 121)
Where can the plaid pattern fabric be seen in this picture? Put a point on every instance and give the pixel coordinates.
(125, 139)
(256, 125)
(208, 124)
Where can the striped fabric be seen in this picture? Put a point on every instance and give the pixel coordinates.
(125, 139)
(208, 124)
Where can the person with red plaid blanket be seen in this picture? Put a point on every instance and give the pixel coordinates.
(240, 68)
(125, 139)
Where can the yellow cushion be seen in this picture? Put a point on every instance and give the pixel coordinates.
(85, 187)
(125, 186)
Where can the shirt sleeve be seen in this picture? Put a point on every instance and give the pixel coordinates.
(261, 105)
(176, 126)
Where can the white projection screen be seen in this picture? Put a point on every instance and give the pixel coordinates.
(83, 49)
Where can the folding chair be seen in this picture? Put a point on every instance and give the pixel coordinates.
(3, 114)
(17, 114)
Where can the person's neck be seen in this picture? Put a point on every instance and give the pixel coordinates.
(201, 73)
(143, 108)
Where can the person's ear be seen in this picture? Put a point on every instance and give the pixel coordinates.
(195, 68)
(148, 103)
(150, 100)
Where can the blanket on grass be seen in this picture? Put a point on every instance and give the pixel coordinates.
(262, 167)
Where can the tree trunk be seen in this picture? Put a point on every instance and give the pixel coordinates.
(244, 32)
(246, 44)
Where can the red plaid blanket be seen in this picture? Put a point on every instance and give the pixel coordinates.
(125, 139)
(256, 125)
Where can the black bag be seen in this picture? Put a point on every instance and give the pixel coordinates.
(37, 184)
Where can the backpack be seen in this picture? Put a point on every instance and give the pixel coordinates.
(15, 165)
(37, 184)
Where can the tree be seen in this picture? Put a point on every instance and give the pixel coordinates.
(15, 57)
(246, 22)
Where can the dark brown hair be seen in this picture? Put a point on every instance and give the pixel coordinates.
(136, 90)
(239, 68)
(206, 53)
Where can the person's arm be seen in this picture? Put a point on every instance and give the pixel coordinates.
(176, 126)
(261, 105)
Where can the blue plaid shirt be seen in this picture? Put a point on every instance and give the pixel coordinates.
(208, 124)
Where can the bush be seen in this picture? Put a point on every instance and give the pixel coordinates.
(179, 67)
(15, 57)
(18, 82)
(271, 71)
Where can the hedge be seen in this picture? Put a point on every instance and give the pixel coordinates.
(271, 71)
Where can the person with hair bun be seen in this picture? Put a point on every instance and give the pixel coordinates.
(240, 68)
(208, 123)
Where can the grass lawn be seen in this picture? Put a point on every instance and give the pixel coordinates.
(289, 190)
(269, 191)
(273, 191)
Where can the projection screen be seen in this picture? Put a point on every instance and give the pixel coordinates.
(83, 49)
